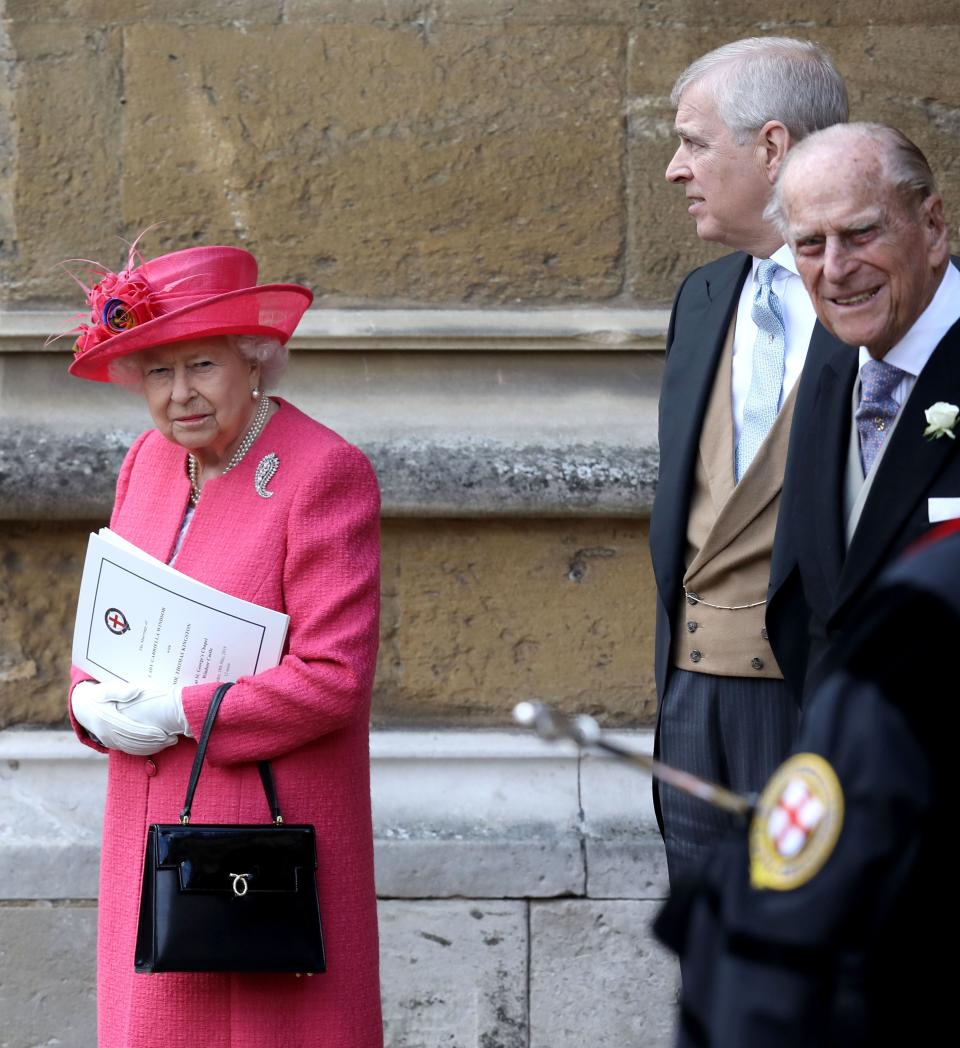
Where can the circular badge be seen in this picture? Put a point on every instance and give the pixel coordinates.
(116, 621)
(796, 823)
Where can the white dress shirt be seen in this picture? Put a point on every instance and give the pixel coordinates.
(913, 351)
(798, 321)
(910, 354)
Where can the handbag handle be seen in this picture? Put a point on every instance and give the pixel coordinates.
(266, 775)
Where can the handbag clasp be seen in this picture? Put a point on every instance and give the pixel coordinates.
(240, 885)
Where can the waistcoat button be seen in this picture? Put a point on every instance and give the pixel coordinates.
(757, 664)
(692, 627)
(695, 656)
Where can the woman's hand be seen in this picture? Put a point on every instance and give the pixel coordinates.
(159, 707)
(108, 712)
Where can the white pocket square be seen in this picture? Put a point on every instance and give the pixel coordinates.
(942, 509)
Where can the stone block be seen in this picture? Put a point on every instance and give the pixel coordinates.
(539, 865)
(663, 245)
(51, 794)
(384, 172)
(454, 973)
(598, 977)
(47, 976)
(477, 617)
(624, 851)
(475, 814)
(105, 12)
(38, 603)
(66, 162)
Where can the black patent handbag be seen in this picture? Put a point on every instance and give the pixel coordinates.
(232, 898)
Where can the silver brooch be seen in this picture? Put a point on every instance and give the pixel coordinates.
(269, 465)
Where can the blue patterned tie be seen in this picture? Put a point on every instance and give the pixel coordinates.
(877, 408)
(766, 379)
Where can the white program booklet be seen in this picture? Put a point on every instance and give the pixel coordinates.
(140, 621)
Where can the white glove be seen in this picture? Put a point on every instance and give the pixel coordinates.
(158, 707)
(97, 708)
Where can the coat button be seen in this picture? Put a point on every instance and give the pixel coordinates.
(692, 627)
(757, 664)
(151, 768)
(695, 656)
(763, 633)
(692, 598)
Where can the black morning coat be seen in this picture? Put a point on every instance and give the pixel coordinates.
(817, 586)
(701, 316)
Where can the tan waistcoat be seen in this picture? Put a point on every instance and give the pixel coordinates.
(729, 543)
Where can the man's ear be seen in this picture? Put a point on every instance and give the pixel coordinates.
(773, 143)
(935, 226)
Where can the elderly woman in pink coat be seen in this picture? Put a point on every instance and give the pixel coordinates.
(241, 491)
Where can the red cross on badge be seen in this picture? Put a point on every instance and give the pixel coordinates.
(796, 824)
(794, 818)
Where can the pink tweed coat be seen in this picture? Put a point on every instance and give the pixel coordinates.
(312, 551)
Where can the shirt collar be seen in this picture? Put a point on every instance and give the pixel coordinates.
(916, 347)
(783, 256)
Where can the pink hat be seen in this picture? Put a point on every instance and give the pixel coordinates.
(196, 293)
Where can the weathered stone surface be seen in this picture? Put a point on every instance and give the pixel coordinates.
(103, 12)
(476, 616)
(46, 475)
(475, 814)
(386, 174)
(662, 237)
(38, 602)
(47, 975)
(461, 195)
(65, 164)
(454, 973)
(51, 797)
(598, 977)
(624, 851)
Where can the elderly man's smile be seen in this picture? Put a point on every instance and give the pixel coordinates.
(857, 299)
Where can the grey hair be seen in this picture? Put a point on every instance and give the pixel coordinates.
(904, 168)
(766, 78)
(270, 353)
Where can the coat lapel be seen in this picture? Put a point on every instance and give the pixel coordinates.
(757, 488)
(907, 470)
(693, 354)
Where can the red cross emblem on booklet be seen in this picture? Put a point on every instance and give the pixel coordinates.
(116, 621)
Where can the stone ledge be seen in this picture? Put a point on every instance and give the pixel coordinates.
(47, 474)
(24, 330)
(479, 814)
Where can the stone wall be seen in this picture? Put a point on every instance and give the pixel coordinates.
(474, 188)
(454, 151)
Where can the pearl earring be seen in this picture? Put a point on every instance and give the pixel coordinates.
(255, 393)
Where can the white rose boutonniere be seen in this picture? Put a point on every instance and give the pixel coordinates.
(941, 419)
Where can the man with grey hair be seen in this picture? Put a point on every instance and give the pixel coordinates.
(738, 336)
(873, 460)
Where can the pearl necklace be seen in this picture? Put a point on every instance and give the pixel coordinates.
(256, 427)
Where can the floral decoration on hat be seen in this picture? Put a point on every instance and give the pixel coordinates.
(193, 293)
(118, 301)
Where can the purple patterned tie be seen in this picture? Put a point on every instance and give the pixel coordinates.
(877, 408)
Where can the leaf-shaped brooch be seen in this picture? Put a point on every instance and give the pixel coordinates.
(268, 466)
